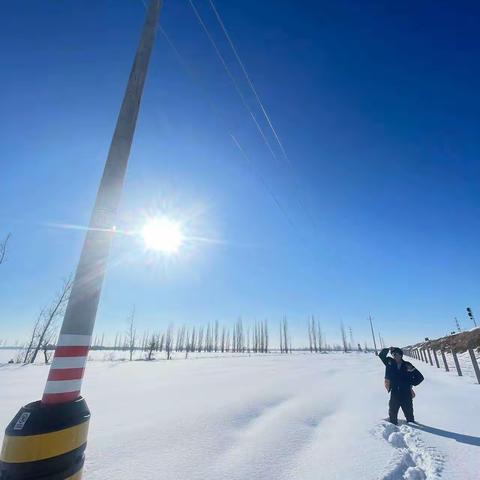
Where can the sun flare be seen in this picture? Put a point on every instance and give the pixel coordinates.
(163, 235)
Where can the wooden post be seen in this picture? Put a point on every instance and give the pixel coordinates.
(435, 357)
(455, 359)
(424, 357)
(444, 360)
(429, 356)
(474, 363)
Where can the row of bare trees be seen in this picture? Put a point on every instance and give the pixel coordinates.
(209, 338)
(239, 338)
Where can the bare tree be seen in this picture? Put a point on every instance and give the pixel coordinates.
(152, 345)
(319, 336)
(45, 326)
(216, 336)
(145, 341)
(234, 338)
(208, 339)
(169, 341)
(313, 335)
(47, 347)
(281, 338)
(193, 340)
(131, 337)
(344, 338)
(286, 342)
(265, 331)
(200, 339)
(3, 248)
(187, 344)
(222, 340)
(179, 344)
(34, 336)
(310, 336)
(227, 341)
(161, 343)
(240, 337)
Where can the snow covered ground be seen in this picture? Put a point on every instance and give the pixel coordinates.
(299, 416)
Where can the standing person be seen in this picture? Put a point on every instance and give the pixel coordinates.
(400, 376)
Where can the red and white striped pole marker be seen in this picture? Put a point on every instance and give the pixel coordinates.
(47, 438)
(66, 372)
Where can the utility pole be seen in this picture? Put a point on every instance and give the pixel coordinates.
(457, 324)
(61, 418)
(373, 335)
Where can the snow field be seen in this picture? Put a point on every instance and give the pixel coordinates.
(287, 417)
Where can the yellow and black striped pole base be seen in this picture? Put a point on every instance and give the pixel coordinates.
(46, 442)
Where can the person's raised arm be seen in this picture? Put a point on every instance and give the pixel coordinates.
(383, 356)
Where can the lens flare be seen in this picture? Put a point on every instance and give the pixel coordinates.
(163, 235)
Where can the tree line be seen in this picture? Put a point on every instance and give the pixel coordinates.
(213, 337)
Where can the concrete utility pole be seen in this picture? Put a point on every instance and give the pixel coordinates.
(61, 406)
(373, 335)
(457, 324)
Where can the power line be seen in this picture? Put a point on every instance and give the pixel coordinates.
(264, 111)
(249, 81)
(232, 78)
(235, 141)
(262, 180)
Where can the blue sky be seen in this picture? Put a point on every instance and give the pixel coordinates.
(376, 105)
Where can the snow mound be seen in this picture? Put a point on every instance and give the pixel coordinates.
(414, 473)
(397, 440)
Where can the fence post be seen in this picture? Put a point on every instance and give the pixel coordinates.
(474, 363)
(424, 355)
(429, 356)
(444, 360)
(455, 359)
(435, 357)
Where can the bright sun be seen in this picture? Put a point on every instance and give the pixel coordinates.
(163, 235)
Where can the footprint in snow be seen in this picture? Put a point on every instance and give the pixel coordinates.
(412, 459)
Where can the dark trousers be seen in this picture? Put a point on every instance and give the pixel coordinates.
(403, 400)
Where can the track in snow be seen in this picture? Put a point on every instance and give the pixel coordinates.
(412, 459)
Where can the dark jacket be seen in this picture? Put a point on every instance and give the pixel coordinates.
(401, 379)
